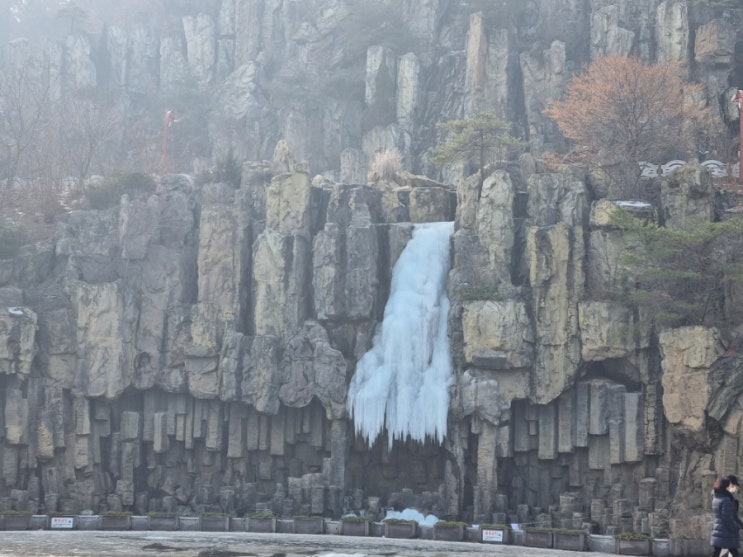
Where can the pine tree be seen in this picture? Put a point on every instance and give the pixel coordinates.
(681, 275)
(482, 138)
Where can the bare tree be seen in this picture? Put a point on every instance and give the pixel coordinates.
(24, 116)
(622, 110)
(86, 124)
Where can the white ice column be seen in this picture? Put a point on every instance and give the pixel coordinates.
(402, 383)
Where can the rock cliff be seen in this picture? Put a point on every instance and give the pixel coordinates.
(190, 350)
(341, 79)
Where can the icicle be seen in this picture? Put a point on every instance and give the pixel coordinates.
(402, 383)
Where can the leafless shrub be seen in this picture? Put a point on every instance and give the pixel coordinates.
(31, 208)
(387, 164)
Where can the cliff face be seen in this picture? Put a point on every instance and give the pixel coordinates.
(341, 79)
(192, 349)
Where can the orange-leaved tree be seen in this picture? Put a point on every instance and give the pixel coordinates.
(622, 110)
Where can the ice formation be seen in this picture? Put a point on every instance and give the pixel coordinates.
(413, 514)
(402, 383)
(342, 555)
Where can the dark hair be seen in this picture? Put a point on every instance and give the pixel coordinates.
(721, 483)
(732, 479)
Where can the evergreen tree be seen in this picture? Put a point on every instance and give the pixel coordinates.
(483, 138)
(682, 275)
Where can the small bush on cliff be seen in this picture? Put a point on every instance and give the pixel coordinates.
(109, 193)
(229, 170)
(387, 164)
(476, 293)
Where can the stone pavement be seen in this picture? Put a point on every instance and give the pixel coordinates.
(46, 543)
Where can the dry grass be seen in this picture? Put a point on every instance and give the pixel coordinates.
(387, 164)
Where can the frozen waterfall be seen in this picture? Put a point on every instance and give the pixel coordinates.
(402, 383)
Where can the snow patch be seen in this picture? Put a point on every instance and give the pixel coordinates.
(342, 555)
(413, 514)
(637, 204)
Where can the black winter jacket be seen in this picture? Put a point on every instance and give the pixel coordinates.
(727, 524)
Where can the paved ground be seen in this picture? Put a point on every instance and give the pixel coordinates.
(45, 543)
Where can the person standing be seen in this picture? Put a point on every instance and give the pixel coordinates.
(734, 489)
(725, 531)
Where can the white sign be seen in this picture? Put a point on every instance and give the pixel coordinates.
(61, 522)
(492, 536)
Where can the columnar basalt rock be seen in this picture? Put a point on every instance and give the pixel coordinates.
(556, 254)
(408, 90)
(18, 326)
(608, 37)
(313, 368)
(105, 327)
(687, 197)
(81, 72)
(606, 271)
(201, 47)
(251, 51)
(142, 58)
(712, 43)
(485, 233)
(498, 335)
(558, 349)
(688, 354)
(672, 30)
(608, 331)
(544, 77)
(245, 402)
(489, 61)
(260, 395)
(190, 349)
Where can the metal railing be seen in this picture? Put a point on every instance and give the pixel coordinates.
(716, 168)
